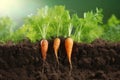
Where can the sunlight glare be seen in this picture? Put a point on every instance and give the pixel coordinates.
(8, 6)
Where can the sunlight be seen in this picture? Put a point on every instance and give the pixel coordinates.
(18, 9)
(7, 6)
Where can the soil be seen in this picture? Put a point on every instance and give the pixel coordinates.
(99, 60)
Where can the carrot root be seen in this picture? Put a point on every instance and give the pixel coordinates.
(56, 46)
(44, 48)
(69, 46)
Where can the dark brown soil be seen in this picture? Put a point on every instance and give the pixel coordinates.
(99, 60)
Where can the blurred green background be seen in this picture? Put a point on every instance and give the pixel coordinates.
(26, 7)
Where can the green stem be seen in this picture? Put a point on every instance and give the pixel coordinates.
(69, 29)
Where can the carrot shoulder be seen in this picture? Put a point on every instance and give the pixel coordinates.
(44, 48)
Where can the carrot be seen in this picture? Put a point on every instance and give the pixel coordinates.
(44, 48)
(68, 47)
(56, 46)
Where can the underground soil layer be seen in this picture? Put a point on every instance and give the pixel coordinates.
(99, 60)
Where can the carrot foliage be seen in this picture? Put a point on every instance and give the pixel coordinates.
(89, 27)
(7, 28)
(112, 29)
(49, 22)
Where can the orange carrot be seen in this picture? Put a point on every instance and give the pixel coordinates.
(44, 48)
(56, 46)
(68, 47)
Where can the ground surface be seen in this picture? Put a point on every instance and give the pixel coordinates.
(99, 60)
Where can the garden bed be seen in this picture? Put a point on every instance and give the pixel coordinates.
(23, 61)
